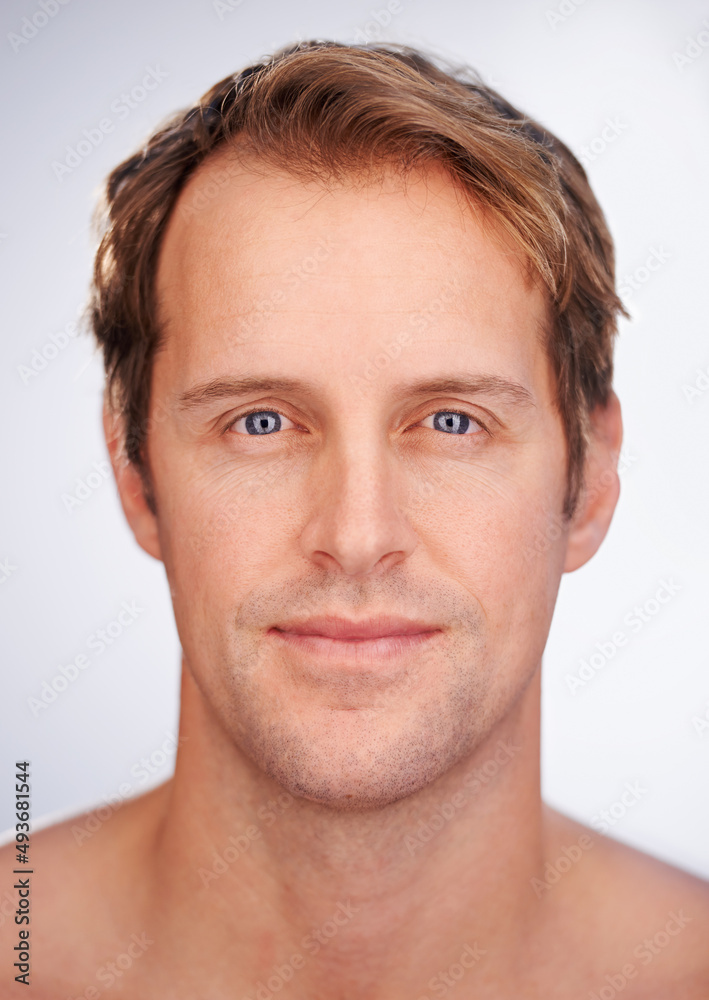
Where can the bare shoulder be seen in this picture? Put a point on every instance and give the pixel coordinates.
(84, 893)
(646, 922)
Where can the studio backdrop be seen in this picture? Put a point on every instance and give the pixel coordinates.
(90, 655)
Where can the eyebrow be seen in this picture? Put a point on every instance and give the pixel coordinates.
(223, 388)
(468, 385)
(472, 385)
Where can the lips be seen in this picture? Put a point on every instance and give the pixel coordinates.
(378, 643)
(346, 630)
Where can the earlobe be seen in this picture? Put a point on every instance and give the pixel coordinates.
(601, 490)
(131, 491)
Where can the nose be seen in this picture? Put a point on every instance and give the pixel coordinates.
(355, 522)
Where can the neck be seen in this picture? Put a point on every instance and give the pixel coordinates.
(266, 877)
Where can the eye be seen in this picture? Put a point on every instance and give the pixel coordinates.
(452, 422)
(260, 422)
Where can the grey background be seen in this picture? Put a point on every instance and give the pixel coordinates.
(640, 717)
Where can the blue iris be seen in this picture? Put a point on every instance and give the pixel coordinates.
(451, 423)
(264, 422)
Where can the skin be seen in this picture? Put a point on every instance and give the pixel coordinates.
(327, 771)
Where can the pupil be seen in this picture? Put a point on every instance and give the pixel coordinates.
(265, 422)
(451, 423)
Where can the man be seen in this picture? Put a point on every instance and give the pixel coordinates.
(357, 316)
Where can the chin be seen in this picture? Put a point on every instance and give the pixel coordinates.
(354, 764)
(349, 793)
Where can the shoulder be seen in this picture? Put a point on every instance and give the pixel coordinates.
(645, 922)
(82, 891)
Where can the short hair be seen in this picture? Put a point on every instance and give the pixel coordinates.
(327, 110)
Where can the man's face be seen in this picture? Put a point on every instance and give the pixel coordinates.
(354, 424)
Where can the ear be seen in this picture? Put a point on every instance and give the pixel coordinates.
(140, 517)
(601, 489)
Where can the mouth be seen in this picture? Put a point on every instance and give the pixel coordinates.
(363, 642)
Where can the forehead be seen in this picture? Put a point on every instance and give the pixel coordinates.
(255, 257)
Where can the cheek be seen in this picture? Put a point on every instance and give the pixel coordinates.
(222, 530)
(502, 537)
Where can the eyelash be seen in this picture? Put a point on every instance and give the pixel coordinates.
(262, 409)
